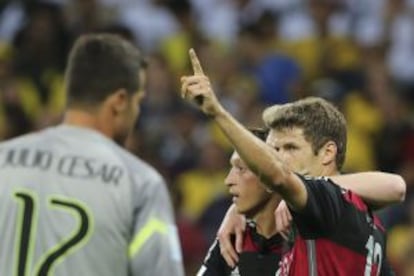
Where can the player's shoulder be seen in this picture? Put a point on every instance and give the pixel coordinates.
(312, 180)
(23, 140)
(324, 184)
(348, 196)
(138, 168)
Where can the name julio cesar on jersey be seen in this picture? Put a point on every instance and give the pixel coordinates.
(74, 166)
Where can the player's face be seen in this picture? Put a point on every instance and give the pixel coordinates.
(295, 150)
(249, 196)
(130, 115)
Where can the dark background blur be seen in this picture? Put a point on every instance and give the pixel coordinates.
(359, 54)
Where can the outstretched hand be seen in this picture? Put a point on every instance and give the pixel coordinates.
(197, 88)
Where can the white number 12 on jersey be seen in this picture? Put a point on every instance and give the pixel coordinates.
(374, 256)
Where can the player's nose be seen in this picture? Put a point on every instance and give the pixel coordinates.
(230, 179)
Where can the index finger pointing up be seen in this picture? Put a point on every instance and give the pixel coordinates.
(198, 70)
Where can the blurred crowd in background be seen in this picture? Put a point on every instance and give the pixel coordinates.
(359, 54)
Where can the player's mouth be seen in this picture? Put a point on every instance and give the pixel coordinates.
(235, 196)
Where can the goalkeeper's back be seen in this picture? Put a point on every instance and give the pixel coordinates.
(72, 202)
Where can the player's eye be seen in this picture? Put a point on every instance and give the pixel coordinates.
(241, 168)
(290, 147)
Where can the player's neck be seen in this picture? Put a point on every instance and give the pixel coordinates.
(81, 118)
(331, 172)
(328, 171)
(265, 219)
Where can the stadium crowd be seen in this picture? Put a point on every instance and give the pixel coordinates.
(357, 54)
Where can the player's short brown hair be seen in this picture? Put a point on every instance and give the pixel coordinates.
(320, 120)
(100, 64)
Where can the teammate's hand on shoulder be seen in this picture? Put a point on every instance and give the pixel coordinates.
(233, 224)
(197, 89)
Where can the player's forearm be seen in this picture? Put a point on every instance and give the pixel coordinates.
(376, 188)
(260, 158)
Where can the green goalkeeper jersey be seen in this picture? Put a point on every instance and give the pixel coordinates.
(72, 202)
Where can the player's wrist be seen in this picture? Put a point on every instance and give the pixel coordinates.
(218, 112)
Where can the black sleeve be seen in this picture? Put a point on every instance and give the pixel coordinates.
(323, 210)
(214, 264)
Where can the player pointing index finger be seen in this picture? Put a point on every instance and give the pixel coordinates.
(198, 70)
(197, 88)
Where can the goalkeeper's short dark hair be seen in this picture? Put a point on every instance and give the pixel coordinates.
(100, 64)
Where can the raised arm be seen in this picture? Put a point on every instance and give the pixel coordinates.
(261, 158)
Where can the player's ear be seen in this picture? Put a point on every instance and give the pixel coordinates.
(118, 101)
(328, 153)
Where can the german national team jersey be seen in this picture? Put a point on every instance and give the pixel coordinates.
(338, 235)
(72, 202)
(260, 256)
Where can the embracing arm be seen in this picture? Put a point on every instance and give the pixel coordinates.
(378, 189)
